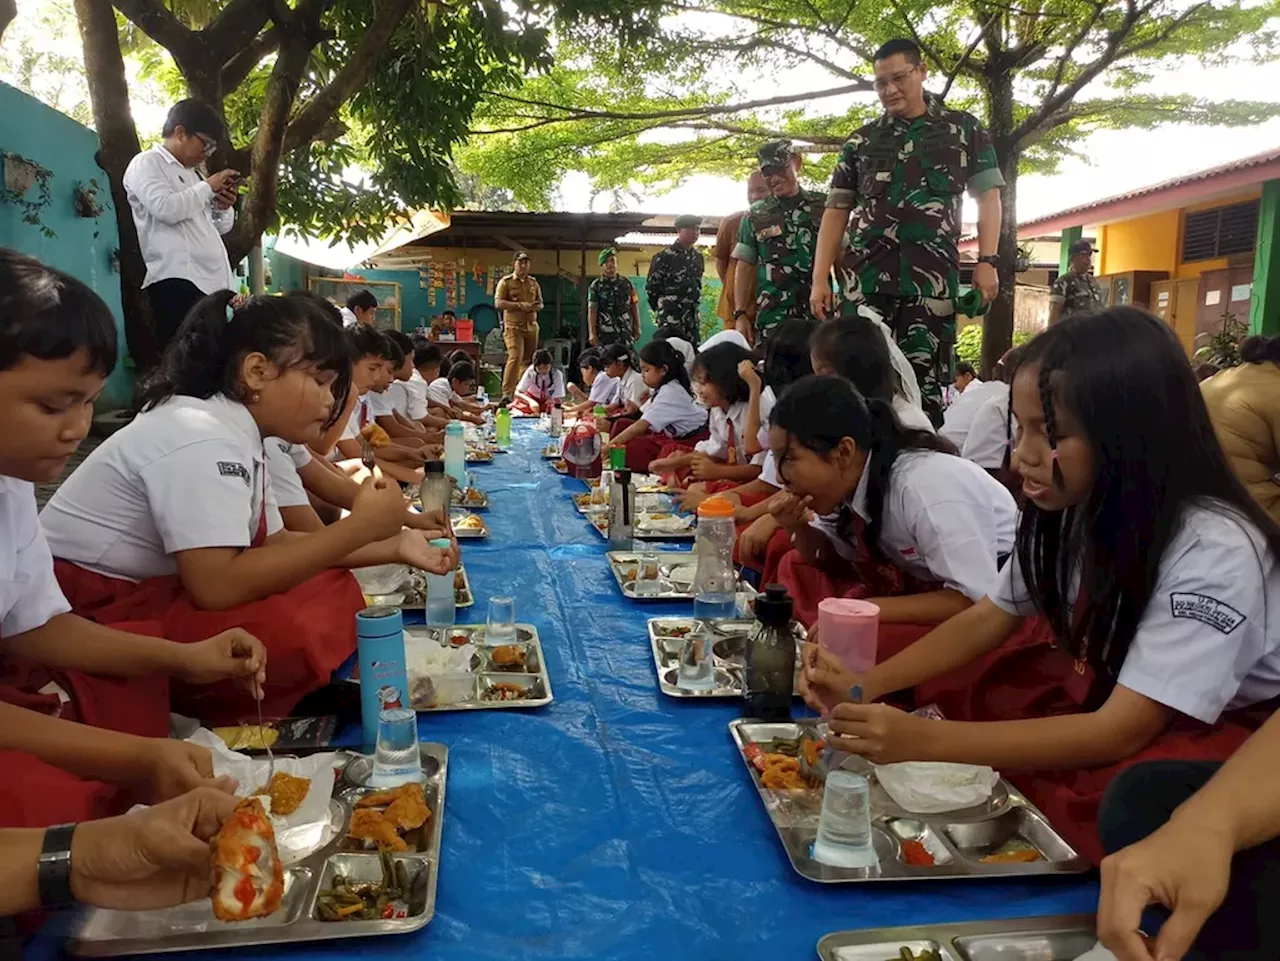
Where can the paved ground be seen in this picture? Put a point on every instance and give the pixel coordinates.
(45, 491)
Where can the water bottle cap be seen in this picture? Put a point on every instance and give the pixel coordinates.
(774, 606)
(453, 427)
(435, 467)
(600, 410)
(715, 507)
(622, 476)
(441, 542)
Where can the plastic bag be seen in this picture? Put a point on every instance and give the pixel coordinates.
(932, 787)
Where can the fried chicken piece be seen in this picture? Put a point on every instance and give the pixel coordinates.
(286, 792)
(380, 799)
(369, 825)
(375, 435)
(508, 655)
(406, 806)
(248, 875)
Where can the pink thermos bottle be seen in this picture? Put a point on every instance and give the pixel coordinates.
(848, 629)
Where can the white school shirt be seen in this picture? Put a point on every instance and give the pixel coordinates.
(533, 384)
(630, 388)
(911, 415)
(441, 391)
(671, 411)
(284, 460)
(602, 389)
(29, 593)
(348, 317)
(943, 519)
(188, 474)
(1209, 640)
(959, 416)
(381, 403)
(767, 402)
(413, 393)
(179, 226)
(717, 445)
(991, 433)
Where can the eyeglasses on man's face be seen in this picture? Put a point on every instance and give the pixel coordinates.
(894, 81)
(207, 144)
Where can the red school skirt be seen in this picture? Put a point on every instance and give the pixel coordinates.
(308, 632)
(650, 445)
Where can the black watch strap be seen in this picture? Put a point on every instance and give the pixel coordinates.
(53, 872)
(992, 259)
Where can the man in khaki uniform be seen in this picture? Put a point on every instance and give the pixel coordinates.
(519, 298)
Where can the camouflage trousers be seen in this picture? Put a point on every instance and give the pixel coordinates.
(925, 328)
(687, 321)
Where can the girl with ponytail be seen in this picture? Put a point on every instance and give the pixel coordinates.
(879, 510)
(173, 520)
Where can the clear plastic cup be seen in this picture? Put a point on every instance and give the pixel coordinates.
(648, 576)
(500, 628)
(396, 760)
(844, 827)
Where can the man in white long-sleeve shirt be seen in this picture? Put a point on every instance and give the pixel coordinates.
(181, 215)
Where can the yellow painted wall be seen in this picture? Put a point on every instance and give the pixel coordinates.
(631, 262)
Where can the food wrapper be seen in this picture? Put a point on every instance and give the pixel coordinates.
(932, 787)
(306, 828)
(668, 525)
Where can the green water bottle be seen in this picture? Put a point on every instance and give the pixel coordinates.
(504, 426)
(618, 458)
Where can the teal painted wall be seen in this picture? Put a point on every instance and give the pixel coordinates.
(82, 247)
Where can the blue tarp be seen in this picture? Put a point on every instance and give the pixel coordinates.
(616, 822)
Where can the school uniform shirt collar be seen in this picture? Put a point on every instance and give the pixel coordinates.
(163, 151)
(858, 502)
(232, 413)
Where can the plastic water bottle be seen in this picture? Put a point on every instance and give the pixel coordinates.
(383, 681)
(504, 426)
(844, 826)
(442, 608)
(455, 453)
(771, 658)
(482, 398)
(434, 492)
(622, 508)
(557, 418)
(715, 583)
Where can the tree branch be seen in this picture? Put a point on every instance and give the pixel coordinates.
(762, 39)
(321, 108)
(8, 10)
(235, 28)
(243, 63)
(964, 58)
(920, 41)
(155, 20)
(830, 34)
(817, 140)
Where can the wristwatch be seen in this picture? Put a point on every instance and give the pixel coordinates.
(992, 259)
(53, 870)
(739, 313)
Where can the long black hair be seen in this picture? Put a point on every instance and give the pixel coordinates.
(658, 353)
(820, 411)
(618, 353)
(855, 349)
(719, 365)
(1258, 349)
(1124, 378)
(50, 315)
(591, 360)
(786, 354)
(294, 330)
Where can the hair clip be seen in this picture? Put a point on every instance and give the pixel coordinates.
(231, 312)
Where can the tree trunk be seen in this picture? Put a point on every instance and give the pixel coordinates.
(8, 10)
(997, 331)
(118, 137)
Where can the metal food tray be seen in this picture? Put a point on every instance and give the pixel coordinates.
(600, 522)
(728, 647)
(644, 502)
(620, 561)
(104, 933)
(534, 679)
(1060, 937)
(481, 505)
(551, 452)
(560, 466)
(467, 533)
(413, 597)
(957, 839)
(476, 457)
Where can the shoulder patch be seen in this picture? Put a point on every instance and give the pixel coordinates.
(1206, 610)
(231, 468)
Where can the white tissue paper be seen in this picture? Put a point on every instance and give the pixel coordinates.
(307, 828)
(1097, 953)
(932, 787)
(668, 525)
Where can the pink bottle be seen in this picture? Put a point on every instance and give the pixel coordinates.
(849, 629)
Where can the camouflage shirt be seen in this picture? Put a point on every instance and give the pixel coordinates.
(674, 287)
(903, 179)
(779, 235)
(1076, 292)
(612, 298)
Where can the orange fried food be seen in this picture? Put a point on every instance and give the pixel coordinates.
(380, 799)
(248, 875)
(286, 792)
(409, 810)
(779, 778)
(370, 825)
(1012, 857)
(375, 435)
(508, 655)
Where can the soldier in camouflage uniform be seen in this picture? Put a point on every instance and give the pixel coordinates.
(674, 284)
(1075, 292)
(613, 316)
(901, 176)
(778, 236)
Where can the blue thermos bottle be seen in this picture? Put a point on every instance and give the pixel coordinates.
(384, 682)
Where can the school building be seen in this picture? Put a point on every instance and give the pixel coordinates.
(1191, 249)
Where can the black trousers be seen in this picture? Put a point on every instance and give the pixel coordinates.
(171, 301)
(1247, 926)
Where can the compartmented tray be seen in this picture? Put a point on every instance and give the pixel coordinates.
(728, 645)
(551, 451)
(468, 526)
(640, 530)
(475, 456)
(104, 933)
(472, 499)
(413, 595)
(477, 689)
(683, 564)
(560, 466)
(1061, 937)
(644, 502)
(956, 840)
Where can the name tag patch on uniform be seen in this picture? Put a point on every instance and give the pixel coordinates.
(773, 230)
(230, 468)
(1206, 610)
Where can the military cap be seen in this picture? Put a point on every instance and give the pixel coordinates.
(688, 220)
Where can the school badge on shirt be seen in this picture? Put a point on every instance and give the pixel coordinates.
(230, 468)
(1206, 610)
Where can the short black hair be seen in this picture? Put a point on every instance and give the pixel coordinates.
(718, 365)
(463, 371)
(460, 356)
(361, 300)
(367, 342)
(50, 315)
(402, 341)
(617, 354)
(591, 360)
(542, 356)
(449, 313)
(392, 351)
(427, 355)
(903, 45)
(966, 368)
(194, 116)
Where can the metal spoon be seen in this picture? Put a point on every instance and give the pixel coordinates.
(262, 733)
(366, 453)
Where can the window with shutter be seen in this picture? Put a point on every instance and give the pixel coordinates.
(1219, 232)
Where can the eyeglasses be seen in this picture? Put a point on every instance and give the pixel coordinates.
(895, 82)
(208, 143)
